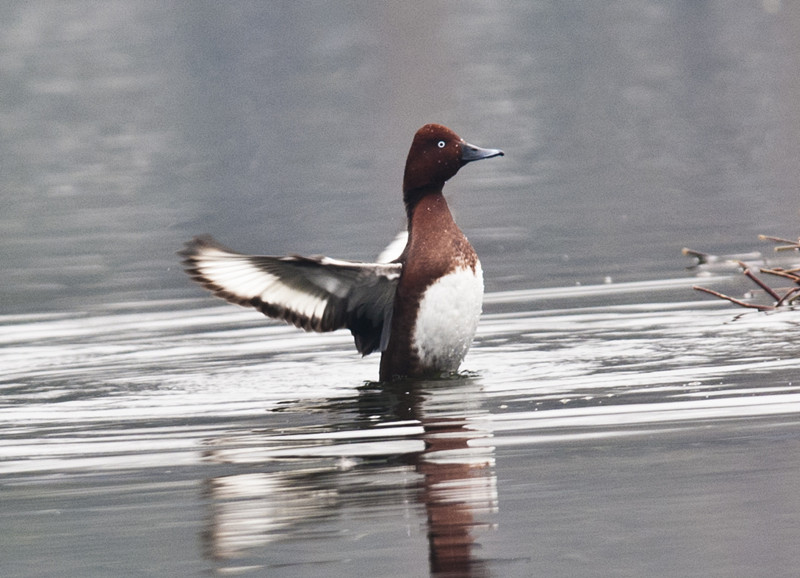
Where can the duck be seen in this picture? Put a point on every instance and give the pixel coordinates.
(420, 309)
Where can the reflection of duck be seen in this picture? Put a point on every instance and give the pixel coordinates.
(298, 483)
(421, 310)
(459, 489)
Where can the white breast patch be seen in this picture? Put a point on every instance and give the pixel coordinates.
(447, 319)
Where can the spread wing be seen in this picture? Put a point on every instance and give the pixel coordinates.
(313, 293)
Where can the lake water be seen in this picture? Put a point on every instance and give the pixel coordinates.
(609, 420)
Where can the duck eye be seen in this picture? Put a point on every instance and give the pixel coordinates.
(440, 144)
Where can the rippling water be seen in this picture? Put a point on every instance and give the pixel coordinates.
(213, 439)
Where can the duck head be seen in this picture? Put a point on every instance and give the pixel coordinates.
(436, 155)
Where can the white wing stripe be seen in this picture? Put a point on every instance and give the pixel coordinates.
(240, 278)
(245, 281)
(315, 293)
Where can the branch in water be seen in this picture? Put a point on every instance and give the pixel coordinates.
(734, 300)
(793, 275)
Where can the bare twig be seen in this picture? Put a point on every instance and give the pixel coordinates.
(749, 274)
(701, 257)
(776, 239)
(782, 273)
(785, 300)
(781, 297)
(734, 299)
(789, 246)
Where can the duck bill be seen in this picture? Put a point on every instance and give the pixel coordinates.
(471, 153)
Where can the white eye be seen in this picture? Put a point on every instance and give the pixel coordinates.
(440, 144)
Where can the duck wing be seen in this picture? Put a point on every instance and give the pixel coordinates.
(313, 293)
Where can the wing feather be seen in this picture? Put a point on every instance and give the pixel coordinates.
(313, 293)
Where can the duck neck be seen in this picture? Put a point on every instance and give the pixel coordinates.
(414, 197)
(430, 212)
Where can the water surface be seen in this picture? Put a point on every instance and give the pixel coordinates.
(609, 421)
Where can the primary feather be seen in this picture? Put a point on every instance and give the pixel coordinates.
(313, 293)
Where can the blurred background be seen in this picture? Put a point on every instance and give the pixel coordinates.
(631, 129)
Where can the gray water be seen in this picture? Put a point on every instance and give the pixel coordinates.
(609, 421)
